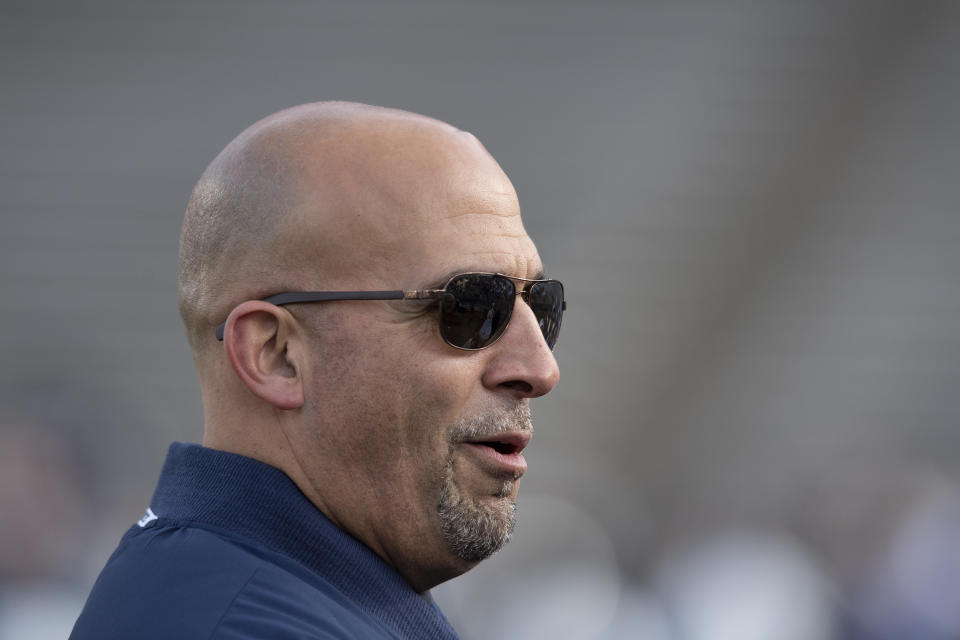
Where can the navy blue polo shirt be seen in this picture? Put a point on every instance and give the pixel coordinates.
(230, 548)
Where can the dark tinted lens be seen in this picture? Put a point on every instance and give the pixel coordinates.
(476, 310)
(546, 300)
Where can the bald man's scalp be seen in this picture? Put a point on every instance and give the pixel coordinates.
(289, 201)
(231, 244)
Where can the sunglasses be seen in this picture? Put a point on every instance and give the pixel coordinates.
(475, 308)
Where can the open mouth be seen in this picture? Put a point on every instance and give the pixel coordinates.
(505, 443)
(502, 455)
(501, 447)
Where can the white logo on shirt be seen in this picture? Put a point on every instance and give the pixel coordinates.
(147, 518)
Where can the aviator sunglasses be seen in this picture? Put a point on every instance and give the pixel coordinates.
(475, 308)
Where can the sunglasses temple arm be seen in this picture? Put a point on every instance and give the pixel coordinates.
(299, 297)
(423, 294)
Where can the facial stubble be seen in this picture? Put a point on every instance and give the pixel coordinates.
(472, 529)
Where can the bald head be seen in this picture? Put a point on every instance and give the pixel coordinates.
(366, 410)
(309, 196)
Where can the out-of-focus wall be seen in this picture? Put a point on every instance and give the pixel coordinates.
(753, 206)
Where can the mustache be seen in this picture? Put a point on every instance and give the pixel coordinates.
(493, 422)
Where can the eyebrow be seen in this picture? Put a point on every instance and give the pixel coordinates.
(439, 284)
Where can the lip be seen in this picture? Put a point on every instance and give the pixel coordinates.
(502, 451)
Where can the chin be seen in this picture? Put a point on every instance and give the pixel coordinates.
(475, 529)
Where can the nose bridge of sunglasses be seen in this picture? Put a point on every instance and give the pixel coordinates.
(525, 290)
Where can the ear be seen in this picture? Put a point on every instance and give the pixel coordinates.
(256, 336)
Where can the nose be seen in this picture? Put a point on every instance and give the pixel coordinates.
(521, 363)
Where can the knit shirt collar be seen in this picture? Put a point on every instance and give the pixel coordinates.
(258, 502)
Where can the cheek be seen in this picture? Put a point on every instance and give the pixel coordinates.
(353, 403)
(383, 396)
(386, 400)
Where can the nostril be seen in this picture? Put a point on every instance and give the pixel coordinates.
(518, 385)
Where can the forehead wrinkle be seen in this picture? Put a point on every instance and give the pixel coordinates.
(509, 214)
(515, 265)
(488, 222)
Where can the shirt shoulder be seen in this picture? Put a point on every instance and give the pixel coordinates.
(191, 583)
(274, 604)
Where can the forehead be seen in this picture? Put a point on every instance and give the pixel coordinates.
(430, 203)
(478, 242)
(466, 217)
(474, 225)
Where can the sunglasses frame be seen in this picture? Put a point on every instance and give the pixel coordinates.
(299, 297)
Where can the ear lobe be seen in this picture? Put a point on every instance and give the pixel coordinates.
(256, 336)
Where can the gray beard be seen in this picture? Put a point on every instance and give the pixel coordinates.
(475, 531)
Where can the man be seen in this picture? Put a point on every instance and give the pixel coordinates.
(363, 430)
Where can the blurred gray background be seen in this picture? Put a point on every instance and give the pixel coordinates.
(753, 206)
